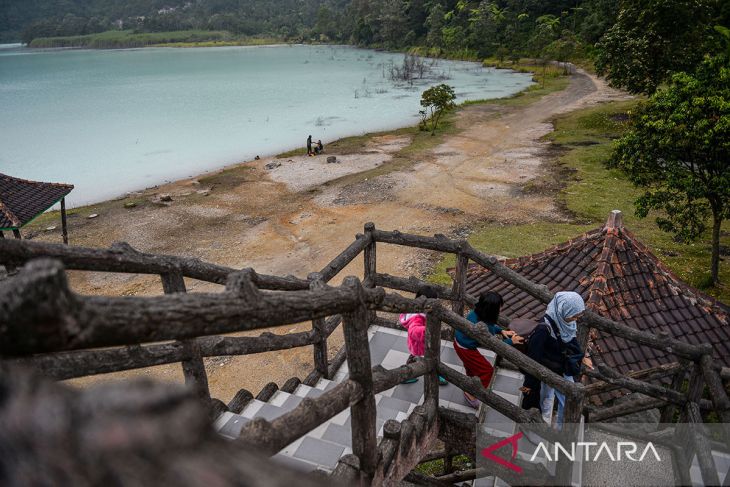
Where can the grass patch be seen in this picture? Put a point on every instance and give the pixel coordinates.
(547, 80)
(245, 41)
(229, 178)
(117, 39)
(440, 53)
(436, 467)
(589, 195)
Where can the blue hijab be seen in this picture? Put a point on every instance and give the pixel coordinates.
(564, 305)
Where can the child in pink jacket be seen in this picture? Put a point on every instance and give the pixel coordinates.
(415, 323)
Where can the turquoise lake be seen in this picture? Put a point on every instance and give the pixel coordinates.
(110, 122)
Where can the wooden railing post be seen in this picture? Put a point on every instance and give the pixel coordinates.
(363, 412)
(459, 287)
(574, 403)
(193, 367)
(318, 325)
(433, 352)
(694, 393)
(370, 268)
(64, 227)
(370, 257)
(667, 414)
(701, 445)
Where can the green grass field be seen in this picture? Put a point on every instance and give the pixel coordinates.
(590, 193)
(129, 39)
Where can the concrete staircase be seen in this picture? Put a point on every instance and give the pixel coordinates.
(321, 448)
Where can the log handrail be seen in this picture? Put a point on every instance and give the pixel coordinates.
(122, 257)
(653, 373)
(80, 363)
(40, 314)
(539, 291)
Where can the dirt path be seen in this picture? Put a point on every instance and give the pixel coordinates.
(286, 220)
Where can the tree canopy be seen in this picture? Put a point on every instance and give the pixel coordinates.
(678, 150)
(652, 39)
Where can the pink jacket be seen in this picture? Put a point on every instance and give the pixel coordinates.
(415, 323)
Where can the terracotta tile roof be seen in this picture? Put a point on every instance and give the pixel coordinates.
(621, 279)
(22, 200)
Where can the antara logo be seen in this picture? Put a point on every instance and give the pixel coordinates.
(512, 440)
(623, 450)
(581, 450)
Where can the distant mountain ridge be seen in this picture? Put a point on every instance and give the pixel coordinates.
(28, 19)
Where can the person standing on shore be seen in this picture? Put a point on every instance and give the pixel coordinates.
(309, 145)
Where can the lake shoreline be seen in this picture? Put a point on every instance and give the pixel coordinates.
(268, 219)
(136, 125)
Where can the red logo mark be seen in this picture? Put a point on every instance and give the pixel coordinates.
(512, 440)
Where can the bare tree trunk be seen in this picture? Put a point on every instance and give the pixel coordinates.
(715, 265)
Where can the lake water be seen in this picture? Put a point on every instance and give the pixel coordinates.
(110, 122)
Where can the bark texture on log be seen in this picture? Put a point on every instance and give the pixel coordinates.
(607, 374)
(363, 412)
(133, 433)
(348, 255)
(459, 288)
(123, 258)
(702, 447)
(192, 365)
(41, 314)
(653, 373)
(416, 436)
(80, 363)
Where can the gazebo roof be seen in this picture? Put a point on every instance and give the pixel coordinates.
(22, 200)
(620, 279)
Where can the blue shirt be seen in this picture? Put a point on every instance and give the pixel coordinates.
(465, 341)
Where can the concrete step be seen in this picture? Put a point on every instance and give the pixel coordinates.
(322, 447)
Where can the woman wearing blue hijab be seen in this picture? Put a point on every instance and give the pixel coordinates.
(554, 344)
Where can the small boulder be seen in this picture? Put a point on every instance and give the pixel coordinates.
(51, 228)
(93, 215)
(130, 204)
(165, 197)
(332, 160)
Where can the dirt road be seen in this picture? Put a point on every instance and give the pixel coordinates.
(295, 218)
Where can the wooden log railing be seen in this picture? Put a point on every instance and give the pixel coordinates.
(40, 314)
(122, 257)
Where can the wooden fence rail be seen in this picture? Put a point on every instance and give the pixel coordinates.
(45, 324)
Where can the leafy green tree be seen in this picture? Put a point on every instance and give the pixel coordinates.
(435, 23)
(564, 49)
(438, 100)
(652, 39)
(678, 150)
(392, 21)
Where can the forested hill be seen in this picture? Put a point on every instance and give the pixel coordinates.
(484, 25)
(28, 19)
(559, 29)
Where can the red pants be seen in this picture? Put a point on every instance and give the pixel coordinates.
(475, 364)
